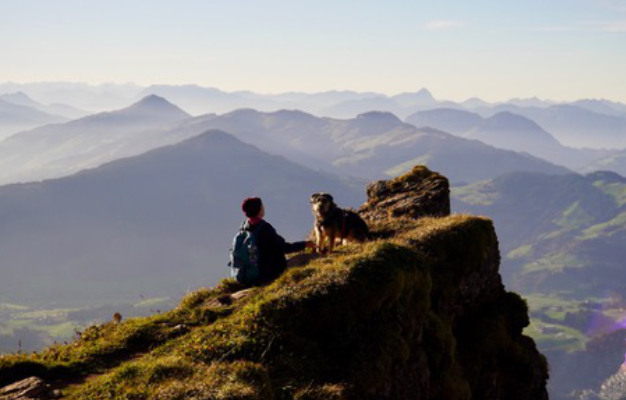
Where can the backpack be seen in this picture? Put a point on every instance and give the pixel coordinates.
(244, 256)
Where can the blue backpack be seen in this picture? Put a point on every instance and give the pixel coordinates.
(244, 256)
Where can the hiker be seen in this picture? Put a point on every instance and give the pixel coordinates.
(258, 253)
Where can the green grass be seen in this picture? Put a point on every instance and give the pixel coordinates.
(237, 343)
(479, 193)
(10, 306)
(616, 190)
(56, 331)
(62, 331)
(605, 229)
(521, 252)
(108, 344)
(548, 326)
(42, 314)
(537, 301)
(559, 337)
(407, 166)
(554, 262)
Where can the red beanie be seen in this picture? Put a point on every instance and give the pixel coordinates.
(251, 206)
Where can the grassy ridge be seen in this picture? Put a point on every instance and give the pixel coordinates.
(340, 327)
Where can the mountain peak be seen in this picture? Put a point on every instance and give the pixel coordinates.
(379, 116)
(421, 97)
(152, 100)
(511, 121)
(606, 176)
(156, 104)
(19, 98)
(475, 102)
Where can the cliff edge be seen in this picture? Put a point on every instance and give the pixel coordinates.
(419, 312)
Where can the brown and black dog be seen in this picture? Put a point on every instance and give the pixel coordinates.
(332, 223)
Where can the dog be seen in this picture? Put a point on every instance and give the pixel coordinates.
(332, 223)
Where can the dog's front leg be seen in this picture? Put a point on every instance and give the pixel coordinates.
(331, 241)
(319, 240)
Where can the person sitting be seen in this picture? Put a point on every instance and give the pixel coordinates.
(268, 247)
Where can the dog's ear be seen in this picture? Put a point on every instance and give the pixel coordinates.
(330, 198)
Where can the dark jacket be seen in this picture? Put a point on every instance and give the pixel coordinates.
(272, 250)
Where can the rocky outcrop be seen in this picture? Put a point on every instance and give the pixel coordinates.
(31, 388)
(419, 193)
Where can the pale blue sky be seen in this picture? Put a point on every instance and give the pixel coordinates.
(557, 49)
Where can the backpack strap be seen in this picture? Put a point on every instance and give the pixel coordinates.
(256, 228)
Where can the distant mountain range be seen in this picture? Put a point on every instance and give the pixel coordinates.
(507, 130)
(63, 110)
(57, 150)
(337, 104)
(155, 224)
(61, 149)
(573, 125)
(92, 98)
(613, 162)
(373, 145)
(16, 117)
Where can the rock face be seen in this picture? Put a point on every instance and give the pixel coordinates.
(31, 388)
(419, 193)
(418, 314)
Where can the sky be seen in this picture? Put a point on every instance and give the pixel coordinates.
(493, 49)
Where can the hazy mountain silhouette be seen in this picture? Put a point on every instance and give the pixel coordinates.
(20, 98)
(572, 125)
(351, 108)
(315, 102)
(474, 102)
(451, 120)
(580, 125)
(402, 105)
(602, 106)
(151, 109)
(61, 149)
(93, 98)
(158, 223)
(17, 117)
(506, 130)
(509, 131)
(421, 98)
(199, 100)
(514, 132)
(56, 109)
(373, 145)
(613, 162)
(202, 100)
(529, 102)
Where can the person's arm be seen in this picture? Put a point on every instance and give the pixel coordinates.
(280, 244)
(293, 247)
